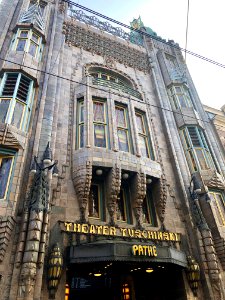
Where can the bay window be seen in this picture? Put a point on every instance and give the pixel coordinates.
(16, 98)
(180, 96)
(197, 150)
(26, 40)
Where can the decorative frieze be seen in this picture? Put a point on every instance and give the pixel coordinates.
(140, 193)
(90, 41)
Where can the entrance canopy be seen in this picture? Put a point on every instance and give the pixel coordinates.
(125, 251)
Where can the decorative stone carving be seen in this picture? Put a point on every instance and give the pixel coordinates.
(6, 227)
(114, 183)
(62, 6)
(215, 181)
(34, 16)
(27, 280)
(161, 206)
(10, 138)
(105, 26)
(140, 193)
(82, 176)
(90, 41)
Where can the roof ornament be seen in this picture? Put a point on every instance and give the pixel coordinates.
(33, 15)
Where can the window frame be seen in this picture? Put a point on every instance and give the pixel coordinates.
(145, 134)
(6, 153)
(125, 129)
(15, 99)
(104, 123)
(101, 204)
(150, 207)
(80, 104)
(190, 149)
(125, 191)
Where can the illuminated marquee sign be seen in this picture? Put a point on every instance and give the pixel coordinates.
(120, 232)
(144, 250)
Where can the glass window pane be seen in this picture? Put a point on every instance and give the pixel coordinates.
(23, 33)
(5, 167)
(4, 105)
(123, 140)
(201, 159)
(193, 163)
(140, 123)
(178, 89)
(94, 201)
(81, 136)
(120, 117)
(182, 101)
(33, 49)
(143, 146)
(21, 45)
(99, 135)
(98, 110)
(35, 38)
(121, 208)
(17, 115)
(81, 118)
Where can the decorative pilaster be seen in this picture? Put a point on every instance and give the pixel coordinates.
(140, 193)
(31, 248)
(82, 176)
(114, 184)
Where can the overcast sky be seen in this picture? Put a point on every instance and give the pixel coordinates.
(168, 19)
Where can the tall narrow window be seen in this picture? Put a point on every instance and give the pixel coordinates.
(143, 135)
(148, 210)
(197, 151)
(219, 204)
(123, 128)
(80, 123)
(100, 124)
(6, 164)
(95, 201)
(123, 204)
(180, 97)
(126, 291)
(27, 40)
(16, 99)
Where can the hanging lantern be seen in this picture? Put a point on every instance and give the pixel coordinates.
(193, 274)
(55, 266)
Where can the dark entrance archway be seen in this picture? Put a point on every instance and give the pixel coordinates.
(125, 281)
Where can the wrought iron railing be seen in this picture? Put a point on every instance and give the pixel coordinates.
(114, 85)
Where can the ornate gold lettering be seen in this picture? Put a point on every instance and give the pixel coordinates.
(105, 230)
(112, 230)
(92, 229)
(123, 231)
(166, 236)
(130, 232)
(134, 249)
(160, 235)
(67, 225)
(99, 229)
(144, 234)
(137, 233)
(84, 228)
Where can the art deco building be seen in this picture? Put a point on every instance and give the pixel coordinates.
(111, 175)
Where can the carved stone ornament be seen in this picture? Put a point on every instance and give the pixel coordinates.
(27, 280)
(140, 193)
(216, 181)
(82, 176)
(90, 41)
(6, 227)
(114, 183)
(162, 198)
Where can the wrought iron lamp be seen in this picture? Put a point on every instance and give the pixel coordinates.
(55, 266)
(193, 274)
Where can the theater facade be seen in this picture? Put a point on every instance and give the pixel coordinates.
(111, 179)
